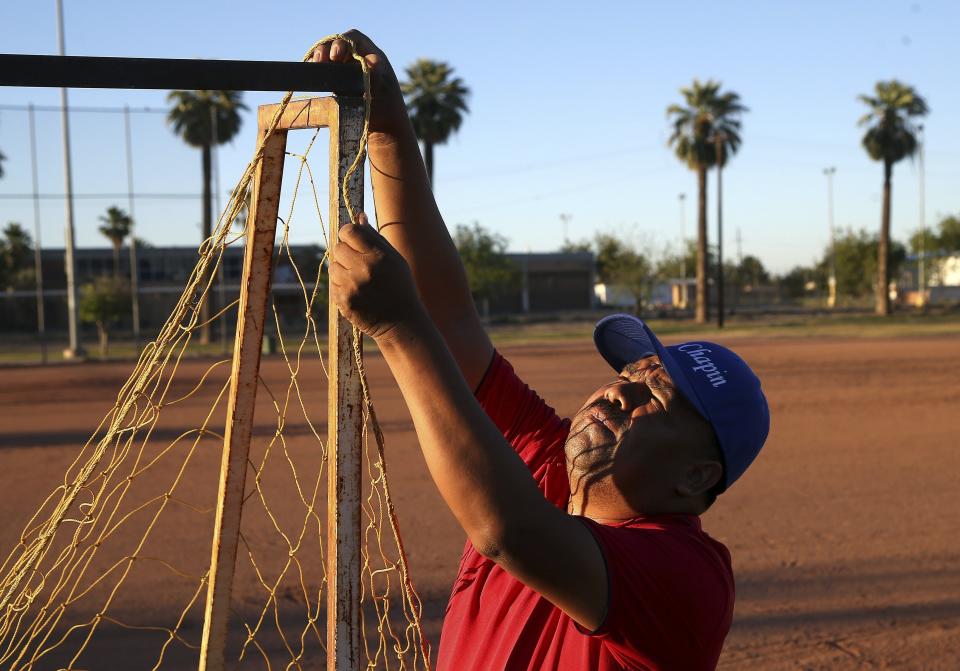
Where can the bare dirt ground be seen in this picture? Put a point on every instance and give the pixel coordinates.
(845, 533)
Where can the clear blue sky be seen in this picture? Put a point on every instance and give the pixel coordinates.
(567, 110)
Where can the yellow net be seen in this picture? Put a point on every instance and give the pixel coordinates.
(111, 571)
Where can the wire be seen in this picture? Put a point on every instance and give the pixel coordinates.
(101, 196)
(82, 108)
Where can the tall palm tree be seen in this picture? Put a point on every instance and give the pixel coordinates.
(890, 137)
(197, 116)
(708, 120)
(116, 227)
(437, 101)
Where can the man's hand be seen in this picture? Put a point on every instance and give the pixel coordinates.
(388, 112)
(408, 216)
(371, 283)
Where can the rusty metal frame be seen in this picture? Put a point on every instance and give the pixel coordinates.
(344, 118)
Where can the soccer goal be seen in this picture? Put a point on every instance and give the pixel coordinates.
(211, 486)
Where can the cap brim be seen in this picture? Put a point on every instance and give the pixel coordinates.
(623, 339)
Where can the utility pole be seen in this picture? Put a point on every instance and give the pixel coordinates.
(37, 244)
(832, 280)
(720, 158)
(922, 269)
(74, 349)
(134, 267)
(683, 250)
(565, 221)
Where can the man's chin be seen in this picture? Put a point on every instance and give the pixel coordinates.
(591, 445)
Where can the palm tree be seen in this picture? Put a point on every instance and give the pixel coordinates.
(436, 101)
(116, 227)
(890, 137)
(708, 120)
(16, 248)
(197, 116)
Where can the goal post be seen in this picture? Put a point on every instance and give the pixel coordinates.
(344, 119)
(344, 116)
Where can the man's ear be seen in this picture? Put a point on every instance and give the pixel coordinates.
(700, 477)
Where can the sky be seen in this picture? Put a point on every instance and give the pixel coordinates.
(567, 113)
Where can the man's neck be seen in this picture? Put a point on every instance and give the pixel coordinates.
(613, 512)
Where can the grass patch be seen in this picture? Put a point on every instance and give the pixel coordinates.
(782, 326)
(24, 351)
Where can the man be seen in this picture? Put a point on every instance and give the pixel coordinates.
(584, 544)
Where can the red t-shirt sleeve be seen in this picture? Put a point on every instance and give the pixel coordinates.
(531, 426)
(670, 595)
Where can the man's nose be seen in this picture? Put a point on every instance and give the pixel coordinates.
(627, 395)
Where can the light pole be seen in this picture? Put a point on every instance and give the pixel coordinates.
(832, 280)
(683, 251)
(720, 160)
(922, 266)
(74, 349)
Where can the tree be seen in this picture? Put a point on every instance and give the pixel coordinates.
(948, 234)
(857, 259)
(489, 271)
(750, 273)
(890, 137)
(204, 118)
(934, 242)
(671, 265)
(576, 247)
(794, 283)
(102, 302)
(709, 120)
(16, 253)
(436, 101)
(619, 263)
(116, 227)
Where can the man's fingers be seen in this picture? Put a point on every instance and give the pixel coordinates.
(362, 237)
(340, 51)
(338, 273)
(322, 53)
(346, 255)
(363, 43)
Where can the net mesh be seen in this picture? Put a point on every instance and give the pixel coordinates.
(112, 569)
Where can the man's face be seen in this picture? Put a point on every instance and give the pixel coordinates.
(637, 433)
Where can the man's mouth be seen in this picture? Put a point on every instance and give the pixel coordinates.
(606, 417)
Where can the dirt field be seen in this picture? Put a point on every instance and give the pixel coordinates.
(845, 534)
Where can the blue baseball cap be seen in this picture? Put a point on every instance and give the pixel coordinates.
(717, 382)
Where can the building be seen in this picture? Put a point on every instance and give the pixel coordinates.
(163, 274)
(547, 283)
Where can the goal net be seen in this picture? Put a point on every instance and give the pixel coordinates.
(114, 570)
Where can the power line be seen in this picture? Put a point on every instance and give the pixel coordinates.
(546, 165)
(100, 196)
(76, 108)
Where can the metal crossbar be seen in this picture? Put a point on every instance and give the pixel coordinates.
(97, 72)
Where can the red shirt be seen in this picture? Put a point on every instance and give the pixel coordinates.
(670, 585)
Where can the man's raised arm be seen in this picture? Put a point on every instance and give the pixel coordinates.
(408, 216)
